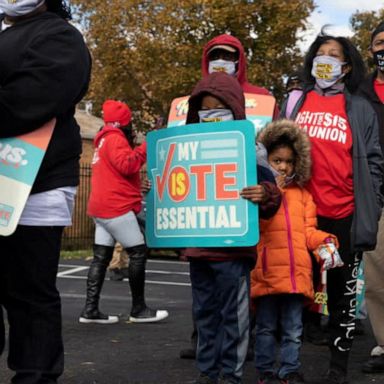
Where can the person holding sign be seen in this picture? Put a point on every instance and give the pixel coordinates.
(347, 174)
(114, 203)
(282, 278)
(225, 53)
(44, 72)
(220, 276)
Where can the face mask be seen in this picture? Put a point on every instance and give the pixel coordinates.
(289, 179)
(19, 7)
(326, 70)
(378, 57)
(222, 66)
(215, 115)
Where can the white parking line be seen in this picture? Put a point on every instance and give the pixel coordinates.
(146, 281)
(71, 270)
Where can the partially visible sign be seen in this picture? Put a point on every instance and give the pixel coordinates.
(258, 108)
(197, 172)
(20, 160)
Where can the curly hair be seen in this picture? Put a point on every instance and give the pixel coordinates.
(60, 7)
(352, 56)
(286, 133)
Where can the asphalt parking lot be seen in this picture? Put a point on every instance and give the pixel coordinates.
(128, 353)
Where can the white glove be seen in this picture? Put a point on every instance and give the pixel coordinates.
(330, 256)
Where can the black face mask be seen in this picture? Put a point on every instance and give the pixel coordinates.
(378, 58)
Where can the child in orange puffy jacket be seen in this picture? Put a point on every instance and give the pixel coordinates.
(282, 278)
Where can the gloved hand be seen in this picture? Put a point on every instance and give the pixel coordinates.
(330, 255)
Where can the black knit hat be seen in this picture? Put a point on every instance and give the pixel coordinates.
(377, 30)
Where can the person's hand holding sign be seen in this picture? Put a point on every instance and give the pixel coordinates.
(255, 193)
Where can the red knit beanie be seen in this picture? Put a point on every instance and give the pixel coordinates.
(116, 112)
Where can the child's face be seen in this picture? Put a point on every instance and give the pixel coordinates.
(211, 102)
(282, 159)
(214, 110)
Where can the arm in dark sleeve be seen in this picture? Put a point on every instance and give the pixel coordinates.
(50, 80)
(374, 153)
(272, 202)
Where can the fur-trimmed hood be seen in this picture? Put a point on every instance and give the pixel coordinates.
(288, 131)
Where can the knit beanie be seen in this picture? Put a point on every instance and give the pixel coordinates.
(116, 112)
(19, 7)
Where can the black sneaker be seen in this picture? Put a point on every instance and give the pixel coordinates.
(374, 365)
(97, 317)
(205, 379)
(188, 353)
(267, 378)
(335, 376)
(148, 315)
(292, 378)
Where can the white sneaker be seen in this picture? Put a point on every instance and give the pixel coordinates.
(97, 317)
(377, 351)
(148, 316)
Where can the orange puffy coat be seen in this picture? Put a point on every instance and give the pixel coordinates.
(284, 263)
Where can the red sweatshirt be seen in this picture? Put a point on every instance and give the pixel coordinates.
(115, 182)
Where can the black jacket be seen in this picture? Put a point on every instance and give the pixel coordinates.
(367, 90)
(367, 168)
(44, 72)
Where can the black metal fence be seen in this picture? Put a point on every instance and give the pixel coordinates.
(80, 235)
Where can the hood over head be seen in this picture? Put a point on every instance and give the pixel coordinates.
(287, 131)
(231, 41)
(222, 86)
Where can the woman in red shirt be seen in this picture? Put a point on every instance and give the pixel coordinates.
(114, 203)
(346, 175)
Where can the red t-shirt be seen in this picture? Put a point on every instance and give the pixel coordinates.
(324, 118)
(379, 89)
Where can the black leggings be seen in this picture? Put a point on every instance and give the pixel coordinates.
(341, 290)
(28, 268)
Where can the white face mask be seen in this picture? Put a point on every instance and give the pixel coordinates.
(215, 115)
(327, 70)
(222, 66)
(19, 7)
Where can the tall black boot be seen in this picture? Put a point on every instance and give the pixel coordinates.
(140, 313)
(102, 256)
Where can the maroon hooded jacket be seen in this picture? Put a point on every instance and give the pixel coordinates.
(241, 74)
(228, 90)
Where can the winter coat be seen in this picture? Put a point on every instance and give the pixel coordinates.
(44, 72)
(227, 89)
(367, 90)
(367, 168)
(241, 74)
(284, 264)
(115, 181)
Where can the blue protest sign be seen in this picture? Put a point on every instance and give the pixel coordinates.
(197, 172)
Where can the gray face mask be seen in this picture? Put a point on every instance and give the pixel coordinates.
(215, 115)
(220, 65)
(327, 70)
(19, 7)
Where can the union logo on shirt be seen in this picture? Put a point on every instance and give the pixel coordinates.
(323, 125)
